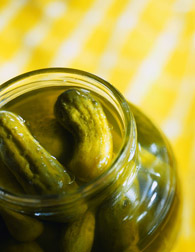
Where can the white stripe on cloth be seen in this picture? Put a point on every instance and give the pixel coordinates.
(70, 47)
(173, 124)
(125, 24)
(31, 40)
(151, 68)
(11, 10)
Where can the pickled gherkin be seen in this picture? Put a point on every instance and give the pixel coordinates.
(22, 227)
(34, 168)
(22, 247)
(116, 221)
(7, 180)
(78, 236)
(84, 117)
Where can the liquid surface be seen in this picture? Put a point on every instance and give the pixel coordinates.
(37, 109)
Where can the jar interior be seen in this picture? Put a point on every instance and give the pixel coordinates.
(33, 97)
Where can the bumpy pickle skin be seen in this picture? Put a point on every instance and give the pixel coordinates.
(84, 117)
(8, 182)
(34, 168)
(79, 235)
(21, 227)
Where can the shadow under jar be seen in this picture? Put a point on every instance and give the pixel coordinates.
(134, 203)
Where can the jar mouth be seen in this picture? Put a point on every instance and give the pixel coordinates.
(128, 144)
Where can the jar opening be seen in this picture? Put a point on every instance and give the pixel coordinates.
(50, 77)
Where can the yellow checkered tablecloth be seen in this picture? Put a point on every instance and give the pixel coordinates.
(145, 48)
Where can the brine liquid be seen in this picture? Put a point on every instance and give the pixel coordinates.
(36, 108)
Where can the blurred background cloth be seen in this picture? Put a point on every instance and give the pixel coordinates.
(145, 48)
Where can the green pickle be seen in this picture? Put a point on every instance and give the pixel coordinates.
(84, 117)
(56, 141)
(116, 218)
(22, 247)
(79, 235)
(34, 168)
(22, 227)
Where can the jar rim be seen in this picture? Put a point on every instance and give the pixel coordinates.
(130, 141)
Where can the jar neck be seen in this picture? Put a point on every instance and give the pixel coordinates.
(123, 164)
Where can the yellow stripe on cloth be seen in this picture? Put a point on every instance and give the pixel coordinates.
(135, 44)
(73, 45)
(23, 21)
(31, 39)
(62, 29)
(100, 37)
(10, 11)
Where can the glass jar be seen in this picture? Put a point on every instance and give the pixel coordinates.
(135, 203)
